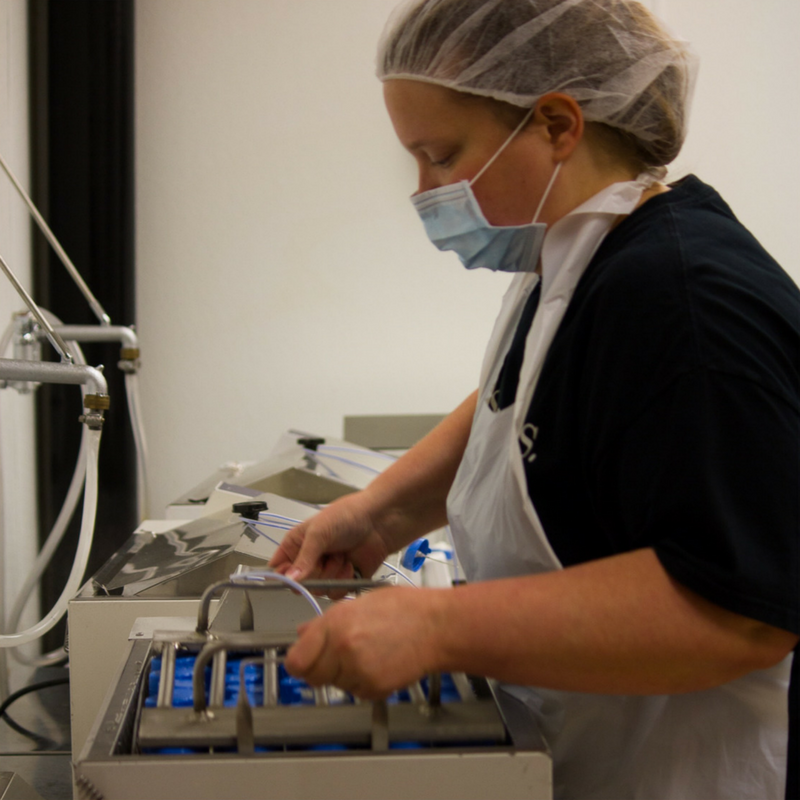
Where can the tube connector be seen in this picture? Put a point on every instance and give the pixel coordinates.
(129, 362)
(95, 404)
(93, 420)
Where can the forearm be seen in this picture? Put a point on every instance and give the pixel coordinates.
(618, 625)
(409, 499)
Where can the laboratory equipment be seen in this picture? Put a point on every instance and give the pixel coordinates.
(302, 466)
(211, 713)
(161, 572)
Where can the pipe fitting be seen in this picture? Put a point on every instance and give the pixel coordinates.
(97, 402)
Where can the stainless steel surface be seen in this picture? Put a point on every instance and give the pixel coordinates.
(147, 560)
(98, 639)
(334, 776)
(48, 777)
(184, 561)
(294, 476)
(390, 431)
(291, 471)
(12, 787)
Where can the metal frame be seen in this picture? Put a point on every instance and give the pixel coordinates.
(110, 768)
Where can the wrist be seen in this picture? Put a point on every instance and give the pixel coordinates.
(384, 517)
(436, 610)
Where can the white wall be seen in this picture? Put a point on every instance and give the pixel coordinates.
(16, 412)
(283, 277)
(746, 114)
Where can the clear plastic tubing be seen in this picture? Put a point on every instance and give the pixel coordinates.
(46, 553)
(81, 556)
(317, 453)
(57, 533)
(134, 409)
(262, 575)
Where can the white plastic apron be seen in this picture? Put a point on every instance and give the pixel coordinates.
(728, 742)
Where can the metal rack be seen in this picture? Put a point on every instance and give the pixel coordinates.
(442, 737)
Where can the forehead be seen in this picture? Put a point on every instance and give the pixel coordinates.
(424, 112)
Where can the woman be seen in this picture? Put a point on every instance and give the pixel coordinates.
(623, 486)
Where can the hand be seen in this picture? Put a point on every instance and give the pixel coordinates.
(371, 646)
(330, 544)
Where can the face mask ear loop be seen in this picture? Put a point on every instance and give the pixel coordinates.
(547, 191)
(503, 146)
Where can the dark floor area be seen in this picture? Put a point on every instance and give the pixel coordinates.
(35, 737)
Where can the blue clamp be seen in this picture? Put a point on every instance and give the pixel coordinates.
(414, 556)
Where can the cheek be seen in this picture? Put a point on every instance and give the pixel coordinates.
(510, 199)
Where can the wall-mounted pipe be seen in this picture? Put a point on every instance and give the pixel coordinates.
(50, 372)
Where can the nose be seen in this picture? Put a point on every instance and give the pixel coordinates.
(425, 181)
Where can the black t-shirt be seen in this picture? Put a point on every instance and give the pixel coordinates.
(668, 409)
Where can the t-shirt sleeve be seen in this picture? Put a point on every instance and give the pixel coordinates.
(709, 476)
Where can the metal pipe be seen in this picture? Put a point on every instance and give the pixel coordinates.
(271, 684)
(245, 737)
(57, 342)
(217, 690)
(54, 243)
(50, 372)
(435, 691)
(167, 682)
(99, 333)
(198, 674)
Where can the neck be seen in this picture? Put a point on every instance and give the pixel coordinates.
(581, 178)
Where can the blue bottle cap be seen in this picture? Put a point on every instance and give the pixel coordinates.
(414, 556)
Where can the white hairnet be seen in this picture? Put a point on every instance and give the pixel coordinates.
(612, 56)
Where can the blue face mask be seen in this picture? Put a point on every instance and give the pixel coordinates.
(454, 221)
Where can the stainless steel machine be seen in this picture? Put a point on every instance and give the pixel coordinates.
(161, 574)
(211, 713)
(163, 569)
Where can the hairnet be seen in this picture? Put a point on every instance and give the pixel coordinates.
(612, 56)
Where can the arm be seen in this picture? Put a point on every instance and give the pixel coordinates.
(404, 502)
(616, 625)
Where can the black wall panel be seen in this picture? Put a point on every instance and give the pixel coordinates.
(82, 129)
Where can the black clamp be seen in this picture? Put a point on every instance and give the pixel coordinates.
(311, 442)
(250, 508)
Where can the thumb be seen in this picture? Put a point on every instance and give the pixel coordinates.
(305, 652)
(307, 559)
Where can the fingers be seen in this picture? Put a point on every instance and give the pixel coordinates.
(335, 568)
(354, 646)
(304, 654)
(288, 549)
(299, 554)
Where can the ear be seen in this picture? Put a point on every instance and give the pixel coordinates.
(562, 118)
